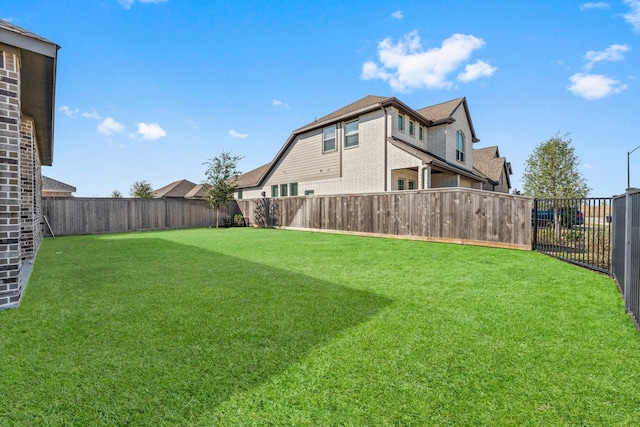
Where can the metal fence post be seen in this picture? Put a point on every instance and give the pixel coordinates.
(627, 249)
(534, 218)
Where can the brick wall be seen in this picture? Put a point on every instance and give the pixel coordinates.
(10, 197)
(29, 165)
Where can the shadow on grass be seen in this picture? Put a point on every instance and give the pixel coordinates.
(143, 331)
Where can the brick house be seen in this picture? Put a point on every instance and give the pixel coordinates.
(27, 107)
(375, 144)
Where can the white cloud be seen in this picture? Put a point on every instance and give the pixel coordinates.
(633, 16)
(615, 52)
(151, 131)
(92, 115)
(476, 71)
(397, 15)
(406, 65)
(109, 126)
(594, 86)
(278, 103)
(68, 111)
(236, 134)
(192, 124)
(128, 3)
(594, 5)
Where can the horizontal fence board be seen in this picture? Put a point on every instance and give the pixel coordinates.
(75, 216)
(455, 214)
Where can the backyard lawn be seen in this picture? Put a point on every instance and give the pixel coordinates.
(243, 326)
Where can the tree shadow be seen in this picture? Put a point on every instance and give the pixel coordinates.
(173, 332)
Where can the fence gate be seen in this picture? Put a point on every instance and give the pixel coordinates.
(574, 230)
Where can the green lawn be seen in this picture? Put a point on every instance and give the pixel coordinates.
(269, 327)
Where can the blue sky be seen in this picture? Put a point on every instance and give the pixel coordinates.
(151, 89)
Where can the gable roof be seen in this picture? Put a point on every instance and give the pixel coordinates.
(489, 163)
(38, 57)
(197, 192)
(443, 113)
(50, 184)
(176, 189)
(363, 103)
(252, 178)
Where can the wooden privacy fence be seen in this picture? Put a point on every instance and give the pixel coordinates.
(73, 216)
(456, 214)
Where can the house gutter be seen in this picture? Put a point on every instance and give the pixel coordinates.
(425, 178)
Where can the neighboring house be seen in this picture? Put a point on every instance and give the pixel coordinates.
(182, 189)
(27, 92)
(197, 192)
(53, 188)
(175, 190)
(375, 144)
(487, 162)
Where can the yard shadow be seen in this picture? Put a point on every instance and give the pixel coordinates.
(156, 341)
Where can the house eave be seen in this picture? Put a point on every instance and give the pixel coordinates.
(37, 86)
(429, 158)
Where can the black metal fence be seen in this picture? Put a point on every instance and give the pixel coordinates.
(626, 249)
(574, 230)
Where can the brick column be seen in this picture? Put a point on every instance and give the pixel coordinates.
(10, 197)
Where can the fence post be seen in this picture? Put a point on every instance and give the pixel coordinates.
(534, 219)
(627, 249)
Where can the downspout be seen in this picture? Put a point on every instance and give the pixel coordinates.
(385, 148)
(425, 177)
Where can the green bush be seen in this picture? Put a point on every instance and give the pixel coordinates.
(238, 220)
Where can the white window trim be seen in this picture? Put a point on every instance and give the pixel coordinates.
(461, 154)
(346, 134)
(335, 139)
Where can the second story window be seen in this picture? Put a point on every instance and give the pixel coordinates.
(400, 122)
(329, 138)
(459, 146)
(421, 133)
(274, 191)
(412, 128)
(351, 134)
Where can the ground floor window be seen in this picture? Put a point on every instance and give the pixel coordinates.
(283, 190)
(274, 191)
(401, 184)
(293, 188)
(412, 184)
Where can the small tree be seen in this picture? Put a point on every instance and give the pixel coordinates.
(141, 190)
(221, 179)
(116, 194)
(552, 171)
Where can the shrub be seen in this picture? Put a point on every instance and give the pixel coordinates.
(238, 220)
